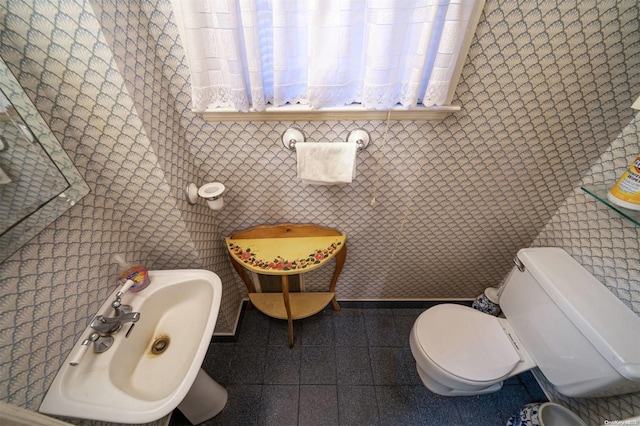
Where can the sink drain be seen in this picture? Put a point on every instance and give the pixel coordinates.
(160, 345)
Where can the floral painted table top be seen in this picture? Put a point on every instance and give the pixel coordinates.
(284, 256)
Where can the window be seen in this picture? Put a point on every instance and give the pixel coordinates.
(256, 55)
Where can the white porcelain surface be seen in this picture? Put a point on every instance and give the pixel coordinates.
(466, 343)
(583, 338)
(439, 380)
(440, 385)
(210, 190)
(128, 383)
(545, 414)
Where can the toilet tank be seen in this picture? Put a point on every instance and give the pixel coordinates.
(581, 336)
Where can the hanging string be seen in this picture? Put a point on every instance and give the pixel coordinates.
(376, 183)
(408, 201)
(398, 240)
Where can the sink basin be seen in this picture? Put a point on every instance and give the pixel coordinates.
(152, 365)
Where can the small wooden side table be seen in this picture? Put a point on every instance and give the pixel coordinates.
(284, 250)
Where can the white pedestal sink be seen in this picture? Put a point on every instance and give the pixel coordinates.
(151, 366)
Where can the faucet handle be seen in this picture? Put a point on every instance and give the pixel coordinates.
(83, 348)
(116, 304)
(125, 287)
(100, 344)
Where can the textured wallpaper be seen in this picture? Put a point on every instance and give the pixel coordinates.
(51, 288)
(144, 41)
(545, 91)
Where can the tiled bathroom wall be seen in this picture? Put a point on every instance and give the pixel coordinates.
(545, 90)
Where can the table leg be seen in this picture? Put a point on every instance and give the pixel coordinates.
(341, 256)
(336, 306)
(287, 306)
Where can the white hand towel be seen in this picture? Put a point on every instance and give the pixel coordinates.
(326, 163)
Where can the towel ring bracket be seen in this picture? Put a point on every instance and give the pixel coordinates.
(361, 138)
(291, 137)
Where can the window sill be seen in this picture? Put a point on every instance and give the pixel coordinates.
(304, 113)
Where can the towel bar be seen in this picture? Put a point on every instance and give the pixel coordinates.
(292, 136)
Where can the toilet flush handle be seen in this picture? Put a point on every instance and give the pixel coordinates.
(519, 264)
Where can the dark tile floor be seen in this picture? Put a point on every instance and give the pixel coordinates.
(352, 367)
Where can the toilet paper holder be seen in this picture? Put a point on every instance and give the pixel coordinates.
(293, 135)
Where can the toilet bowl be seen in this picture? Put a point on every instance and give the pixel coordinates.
(462, 351)
(557, 317)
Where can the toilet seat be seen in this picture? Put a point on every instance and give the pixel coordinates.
(465, 343)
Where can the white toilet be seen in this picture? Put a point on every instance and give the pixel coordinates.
(558, 318)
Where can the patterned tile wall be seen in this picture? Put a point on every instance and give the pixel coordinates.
(545, 90)
(609, 247)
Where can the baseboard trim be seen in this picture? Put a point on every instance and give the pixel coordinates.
(400, 303)
(351, 304)
(232, 337)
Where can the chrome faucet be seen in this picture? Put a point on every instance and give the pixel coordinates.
(104, 327)
(122, 314)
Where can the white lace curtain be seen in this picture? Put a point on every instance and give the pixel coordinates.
(245, 54)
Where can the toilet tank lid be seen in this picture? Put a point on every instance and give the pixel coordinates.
(611, 327)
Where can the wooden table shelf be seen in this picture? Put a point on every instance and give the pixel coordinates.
(302, 304)
(284, 250)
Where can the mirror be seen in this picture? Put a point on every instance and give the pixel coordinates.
(38, 181)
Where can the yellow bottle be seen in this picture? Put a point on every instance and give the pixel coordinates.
(626, 191)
